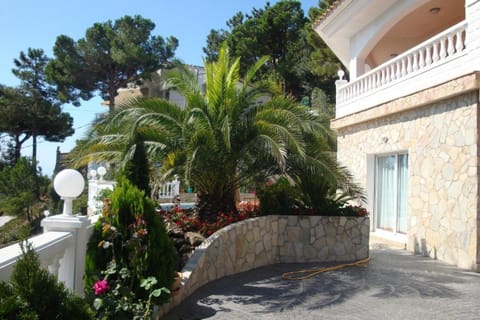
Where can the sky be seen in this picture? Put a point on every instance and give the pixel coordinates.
(36, 24)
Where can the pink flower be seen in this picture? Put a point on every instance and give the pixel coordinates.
(100, 287)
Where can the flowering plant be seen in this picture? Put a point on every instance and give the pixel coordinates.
(100, 287)
(130, 260)
(114, 294)
(114, 299)
(188, 221)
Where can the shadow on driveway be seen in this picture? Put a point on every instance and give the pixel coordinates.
(394, 285)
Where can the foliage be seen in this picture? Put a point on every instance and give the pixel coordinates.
(136, 169)
(33, 293)
(13, 230)
(185, 220)
(308, 197)
(235, 131)
(129, 236)
(299, 60)
(43, 115)
(277, 197)
(110, 56)
(115, 299)
(323, 63)
(14, 107)
(321, 103)
(18, 189)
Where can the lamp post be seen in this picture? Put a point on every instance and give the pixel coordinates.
(69, 184)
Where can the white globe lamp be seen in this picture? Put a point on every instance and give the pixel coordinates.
(93, 174)
(101, 172)
(69, 184)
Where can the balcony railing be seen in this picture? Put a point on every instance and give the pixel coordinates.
(437, 51)
(169, 190)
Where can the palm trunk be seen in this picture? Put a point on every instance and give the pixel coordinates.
(210, 205)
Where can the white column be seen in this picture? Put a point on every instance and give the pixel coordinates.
(357, 68)
(472, 15)
(72, 265)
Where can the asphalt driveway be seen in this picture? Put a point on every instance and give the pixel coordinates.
(394, 285)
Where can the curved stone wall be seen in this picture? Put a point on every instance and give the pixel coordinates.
(272, 239)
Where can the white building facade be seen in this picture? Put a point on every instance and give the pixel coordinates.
(407, 119)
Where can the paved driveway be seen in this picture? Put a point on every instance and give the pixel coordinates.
(395, 285)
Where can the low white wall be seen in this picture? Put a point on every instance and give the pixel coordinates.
(61, 249)
(50, 247)
(267, 240)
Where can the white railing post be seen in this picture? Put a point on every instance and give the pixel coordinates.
(95, 186)
(72, 265)
(168, 190)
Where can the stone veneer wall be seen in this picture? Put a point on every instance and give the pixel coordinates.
(439, 131)
(273, 239)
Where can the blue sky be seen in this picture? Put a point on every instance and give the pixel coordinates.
(36, 24)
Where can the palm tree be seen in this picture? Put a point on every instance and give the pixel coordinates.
(234, 131)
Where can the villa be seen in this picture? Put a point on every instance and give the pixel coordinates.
(157, 87)
(408, 118)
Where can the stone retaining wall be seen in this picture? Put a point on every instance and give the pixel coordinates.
(267, 240)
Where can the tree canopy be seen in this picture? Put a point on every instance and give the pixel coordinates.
(32, 110)
(299, 60)
(18, 189)
(237, 129)
(13, 120)
(110, 56)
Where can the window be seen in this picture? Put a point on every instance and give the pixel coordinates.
(391, 192)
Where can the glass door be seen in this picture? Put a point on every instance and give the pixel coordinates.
(391, 192)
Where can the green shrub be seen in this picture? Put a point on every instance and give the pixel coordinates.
(136, 170)
(34, 293)
(131, 234)
(17, 229)
(277, 197)
(309, 196)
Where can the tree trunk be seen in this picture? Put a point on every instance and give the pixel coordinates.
(34, 149)
(111, 105)
(210, 205)
(111, 100)
(17, 148)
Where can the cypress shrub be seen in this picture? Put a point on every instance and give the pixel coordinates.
(133, 234)
(136, 169)
(34, 293)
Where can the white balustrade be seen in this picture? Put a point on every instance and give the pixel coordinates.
(436, 51)
(62, 246)
(168, 190)
(62, 253)
(96, 184)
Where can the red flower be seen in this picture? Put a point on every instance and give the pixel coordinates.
(100, 287)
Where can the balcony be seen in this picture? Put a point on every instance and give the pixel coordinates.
(439, 59)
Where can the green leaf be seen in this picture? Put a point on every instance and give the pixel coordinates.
(157, 292)
(97, 303)
(148, 283)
